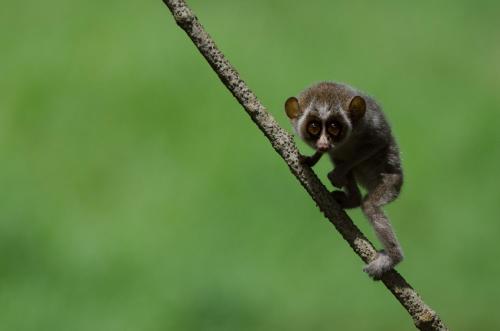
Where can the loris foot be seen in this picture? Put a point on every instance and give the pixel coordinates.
(382, 263)
(345, 201)
(337, 178)
(341, 198)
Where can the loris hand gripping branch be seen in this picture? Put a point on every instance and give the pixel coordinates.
(336, 119)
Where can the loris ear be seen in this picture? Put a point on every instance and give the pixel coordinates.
(292, 108)
(357, 108)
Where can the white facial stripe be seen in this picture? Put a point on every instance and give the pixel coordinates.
(301, 121)
(323, 141)
(343, 113)
(346, 120)
(324, 111)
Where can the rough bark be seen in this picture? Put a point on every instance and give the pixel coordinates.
(423, 316)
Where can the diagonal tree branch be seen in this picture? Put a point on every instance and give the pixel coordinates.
(423, 316)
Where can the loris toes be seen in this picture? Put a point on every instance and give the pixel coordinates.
(377, 267)
(340, 197)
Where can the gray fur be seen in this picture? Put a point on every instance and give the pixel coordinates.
(367, 154)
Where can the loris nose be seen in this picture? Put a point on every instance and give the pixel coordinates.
(323, 144)
(323, 148)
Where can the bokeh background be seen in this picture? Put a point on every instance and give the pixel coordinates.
(137, 195)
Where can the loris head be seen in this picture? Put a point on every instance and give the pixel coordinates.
(325, 114)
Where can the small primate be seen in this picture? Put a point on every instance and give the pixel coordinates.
(349, 125)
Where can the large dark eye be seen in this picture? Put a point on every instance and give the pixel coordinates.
(334, 128)
(314, 128)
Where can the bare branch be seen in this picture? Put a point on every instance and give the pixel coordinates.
(423, 316)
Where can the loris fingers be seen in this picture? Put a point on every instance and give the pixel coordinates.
(310, 160)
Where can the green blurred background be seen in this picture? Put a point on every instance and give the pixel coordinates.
(137, 195)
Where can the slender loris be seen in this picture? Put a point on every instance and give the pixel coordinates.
(347, 124)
